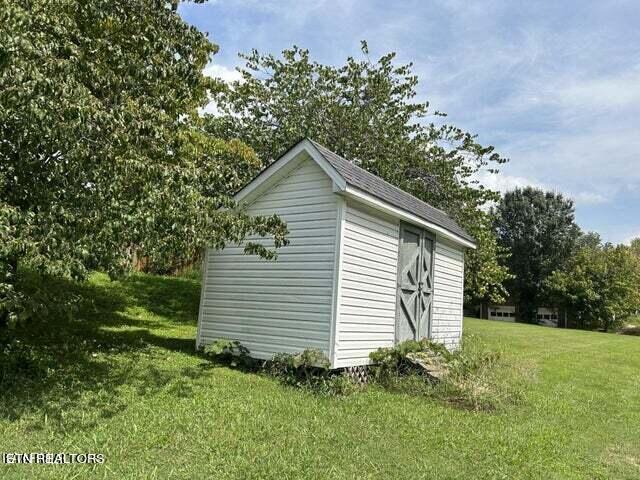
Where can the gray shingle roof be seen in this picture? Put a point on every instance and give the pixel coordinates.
(374, 185)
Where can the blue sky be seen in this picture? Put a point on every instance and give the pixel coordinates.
(553, 85)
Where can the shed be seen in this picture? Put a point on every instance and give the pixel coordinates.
(368, 266)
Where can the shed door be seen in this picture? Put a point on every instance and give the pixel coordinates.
(415, 284)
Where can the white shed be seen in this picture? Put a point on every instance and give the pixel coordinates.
(368, 265)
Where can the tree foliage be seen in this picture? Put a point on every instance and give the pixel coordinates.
(539, 230)
(599, 285)
(635, 246)
(101, 150)
(367, 112)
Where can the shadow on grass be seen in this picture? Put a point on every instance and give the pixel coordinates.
(171, 297)
(120, 336)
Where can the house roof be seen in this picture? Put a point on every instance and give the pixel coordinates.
(376, 186)
(364, 186)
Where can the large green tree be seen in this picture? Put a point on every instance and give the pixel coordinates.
(101, 150)
(539, 230)
(367, 112)
(599, 285)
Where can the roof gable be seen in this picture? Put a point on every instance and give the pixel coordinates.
(301, 151)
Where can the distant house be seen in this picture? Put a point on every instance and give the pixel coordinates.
(368, 265)
(508, 312)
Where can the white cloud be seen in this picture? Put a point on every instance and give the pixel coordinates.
(589, 198)
(211, 108)
(631, 238)
(226, 74)
(505, 183)
(601, 159)
(618, 90)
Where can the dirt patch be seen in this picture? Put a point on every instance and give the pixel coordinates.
(624, 456)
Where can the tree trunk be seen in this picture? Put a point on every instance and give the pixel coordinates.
(10, 277)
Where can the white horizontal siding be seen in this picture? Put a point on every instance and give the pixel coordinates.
(448, 281)
(282, 305)
(367, 297)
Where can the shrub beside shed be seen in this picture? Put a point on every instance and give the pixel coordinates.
(368, 265)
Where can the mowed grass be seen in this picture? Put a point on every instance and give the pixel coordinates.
(121, 377)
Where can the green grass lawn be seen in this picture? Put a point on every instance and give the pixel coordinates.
(121, 378)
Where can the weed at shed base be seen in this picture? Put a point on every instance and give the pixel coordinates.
(472, 377)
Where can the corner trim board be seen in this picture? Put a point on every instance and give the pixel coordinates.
(337, 278)
(205, 259)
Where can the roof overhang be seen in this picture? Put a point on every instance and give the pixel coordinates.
(389, 209)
